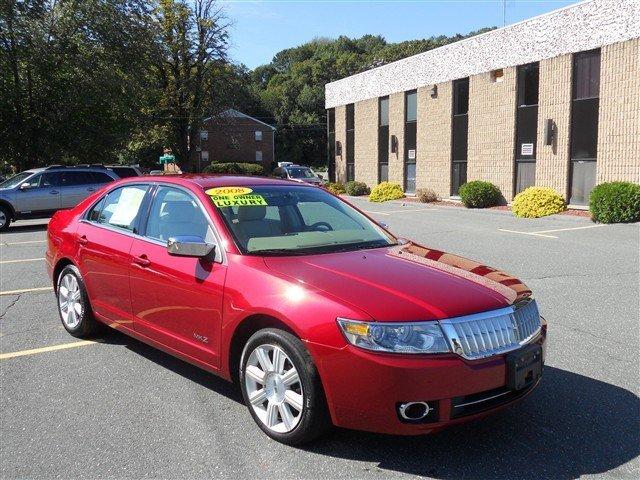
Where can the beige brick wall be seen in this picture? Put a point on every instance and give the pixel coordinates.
(619, 112)
(492, 110)
(554, 100)
(366, 141)
(433, 155)
(341, 136)
(396, 127)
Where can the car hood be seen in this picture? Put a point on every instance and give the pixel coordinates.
(405, 283)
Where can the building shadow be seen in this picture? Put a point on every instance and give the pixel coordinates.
(19, 228)
(571, 426)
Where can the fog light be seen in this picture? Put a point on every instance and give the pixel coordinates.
(416, 412)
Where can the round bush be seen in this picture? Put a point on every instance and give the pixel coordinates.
(426, 195)
(479, 194)
(386, 191)
(335, 187)
(535, 202)
(357, 188)
(615, 202)
(234, 168)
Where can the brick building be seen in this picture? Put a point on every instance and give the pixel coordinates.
(551, 101)
(233, 136)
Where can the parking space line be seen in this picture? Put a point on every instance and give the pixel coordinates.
(22, 260)
(527, 233)
(26, 242)
(399, 211)
(52, 348)
(26, 290)
(571, 228)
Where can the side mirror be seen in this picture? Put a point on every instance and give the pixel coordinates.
(189, 246)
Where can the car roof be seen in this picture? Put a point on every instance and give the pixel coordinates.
(206, 181)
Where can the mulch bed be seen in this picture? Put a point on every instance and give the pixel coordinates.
(449, 203)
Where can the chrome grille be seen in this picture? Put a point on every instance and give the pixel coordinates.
(491, 333)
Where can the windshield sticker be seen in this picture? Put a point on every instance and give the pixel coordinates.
(235, 197)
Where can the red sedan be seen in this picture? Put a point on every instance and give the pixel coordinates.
(321, 315)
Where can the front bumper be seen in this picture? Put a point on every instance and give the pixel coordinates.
(364, 389)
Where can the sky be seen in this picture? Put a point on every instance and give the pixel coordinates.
(261, 28)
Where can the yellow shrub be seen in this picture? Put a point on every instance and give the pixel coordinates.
(535, 202)
(386, 191)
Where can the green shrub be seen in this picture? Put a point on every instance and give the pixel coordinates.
(426, 195)
(386, 191)
(335, 187)
(479, 194)
(234, 168)
(615, 202)
(535, 202)
(357, 188)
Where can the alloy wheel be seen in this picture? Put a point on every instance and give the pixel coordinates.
(3, 218)
(69, 301)
(274, 388)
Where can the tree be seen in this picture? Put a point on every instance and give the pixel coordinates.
(190, 53)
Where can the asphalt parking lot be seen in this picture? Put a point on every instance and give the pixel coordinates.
(120, 409)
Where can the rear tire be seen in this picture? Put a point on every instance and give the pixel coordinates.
(5, 218)
(282, 388)
(73, 303)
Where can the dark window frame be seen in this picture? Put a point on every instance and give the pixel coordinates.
(383, 141)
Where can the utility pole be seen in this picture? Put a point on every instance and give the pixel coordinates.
(504, 12)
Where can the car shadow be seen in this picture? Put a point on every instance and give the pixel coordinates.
(40, 227)
(572, 425)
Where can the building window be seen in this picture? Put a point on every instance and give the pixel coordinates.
(461, 97)
(410, 140)
(528, 84)
(350, 124)
(204, 155)
(584, 125)
(331, 143)
(526, 126)
(259, 156)
(204, 135)
(497, 76)
(459, 134)
(383, 139)
(258, 135)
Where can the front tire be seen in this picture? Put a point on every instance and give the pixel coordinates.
(281, 387)
(73, 303)
(5, 218)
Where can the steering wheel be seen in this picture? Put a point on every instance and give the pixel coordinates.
(321, 227)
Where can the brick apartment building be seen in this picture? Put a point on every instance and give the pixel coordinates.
(552, 101)
(233, 136)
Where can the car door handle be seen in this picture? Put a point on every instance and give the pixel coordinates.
(91, 189)
(54, 192)
(82, 240)
(142, 261)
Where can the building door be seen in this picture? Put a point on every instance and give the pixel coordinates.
(584, 125)
(459, 134)
(351, 167)
(410, 133)
(526, 126)
(383, 139)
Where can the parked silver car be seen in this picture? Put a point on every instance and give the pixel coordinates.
(298, 173)
(39, 192)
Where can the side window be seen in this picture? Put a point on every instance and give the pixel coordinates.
(71, 179)
(120, 207)
(99, 177)
(313, 212)
(174, 212)
(44, 180)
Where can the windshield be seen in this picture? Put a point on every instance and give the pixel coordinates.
(285, 220)
(300, 173)
(15, 180)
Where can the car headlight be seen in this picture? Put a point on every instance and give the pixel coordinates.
(414, 337)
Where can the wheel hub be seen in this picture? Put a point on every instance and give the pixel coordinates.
(275, 388)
